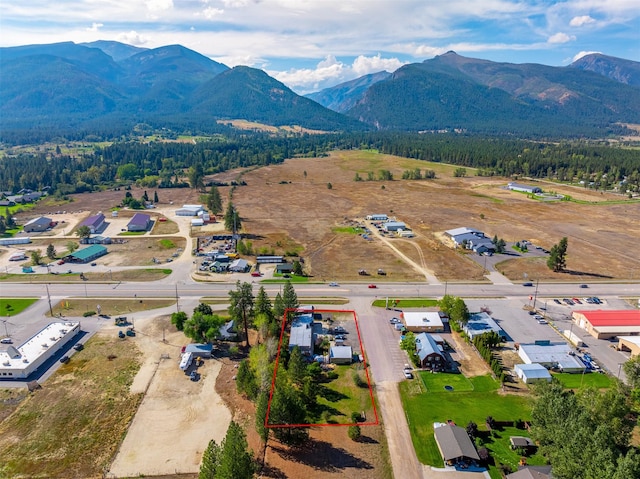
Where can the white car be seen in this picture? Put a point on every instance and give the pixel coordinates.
(334, 284)
(408, 375)
(542, 321)
(538, 317)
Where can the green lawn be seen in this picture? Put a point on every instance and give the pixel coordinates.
(292, 278)
(472, 399)
(352, 230)
(587, 380)
(342, 397)
(13, 306)
(407, 303)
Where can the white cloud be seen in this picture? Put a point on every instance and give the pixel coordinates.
(363, 65)
(95, 27)
(159, 5)
(578, 56)
(581, 20)
(211, 12)
(560, 37)
(132, 38)
(332, 71)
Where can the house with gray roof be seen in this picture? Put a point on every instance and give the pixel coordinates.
(302, 334)
(429, 352)
(37, 225)
(455, 445)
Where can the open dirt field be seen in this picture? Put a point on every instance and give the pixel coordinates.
(177, 417)
(282, 201)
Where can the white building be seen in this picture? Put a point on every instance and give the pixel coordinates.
(551, 355)
(377, 217)
(20, 362)
(190, 210)
(423, 321)
(531, 373)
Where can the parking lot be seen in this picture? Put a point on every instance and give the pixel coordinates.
(521, 327)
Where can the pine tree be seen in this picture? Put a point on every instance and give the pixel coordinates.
(214, 201)
(155, 197)
(210, 459)
(241, 305)
(297, 367)
(557, 256)
(246, 381)
(235, 460)
(261, 414)
(51, 251)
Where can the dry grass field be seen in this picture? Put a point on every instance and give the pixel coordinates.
(292, 204)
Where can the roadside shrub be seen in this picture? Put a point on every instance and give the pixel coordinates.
(331, 375)
(361, 383)
(354, 433)
(89, 313)
(356, 417)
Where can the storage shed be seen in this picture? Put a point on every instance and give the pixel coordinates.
(532, 373)
(199, 350)
(340, 355)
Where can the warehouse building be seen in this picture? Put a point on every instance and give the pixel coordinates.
(551, 355)
(602, 324)
(95, 223)
(190, 210)
(481, 323)
(37, 225)
(394, 226)
(21, 362)
(524, 188)
(302, 334)
(139, 222)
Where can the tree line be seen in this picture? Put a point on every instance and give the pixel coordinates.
(598, 165)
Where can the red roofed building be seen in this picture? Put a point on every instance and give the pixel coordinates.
(607, 324)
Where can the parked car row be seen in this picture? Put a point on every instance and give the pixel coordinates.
(572, 301)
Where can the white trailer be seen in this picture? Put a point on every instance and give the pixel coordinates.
(186, 360)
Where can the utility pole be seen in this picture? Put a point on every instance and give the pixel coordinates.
(535, 295)
(49, 298)
(177, 300)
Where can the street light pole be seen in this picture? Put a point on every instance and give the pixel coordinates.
(49, 298)
(535, 294)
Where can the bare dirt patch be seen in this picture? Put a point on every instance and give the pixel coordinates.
(281, 200)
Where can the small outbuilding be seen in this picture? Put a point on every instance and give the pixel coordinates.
(340, 355)
(199, 350)
(532, 373)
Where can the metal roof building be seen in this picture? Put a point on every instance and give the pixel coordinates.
(423, 321)
(95, 222)
(454, 444)
(87, 254)
(394, 226)
(301, 334)
(531, 373)
(552, 355)
(340, 355)
(37, 225)
(603, 324)
(139, 222)
(480, 323)
(20, 362)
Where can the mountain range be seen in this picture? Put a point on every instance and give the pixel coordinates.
(67, 85)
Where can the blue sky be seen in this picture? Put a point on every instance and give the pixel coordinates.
(312, 44)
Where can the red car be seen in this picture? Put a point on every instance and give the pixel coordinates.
(372, 286)
(256, 273)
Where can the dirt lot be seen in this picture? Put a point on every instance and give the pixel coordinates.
(329, 454)
(600, 234)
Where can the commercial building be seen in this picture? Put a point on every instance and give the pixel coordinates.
(377, 217)
(190, 210)
(239, 266)
(21, 362)
(524, 188)
(302, 334)
(423, 321)
(630, 344)
(394, 226)
(602, 324)
(269, 259)
(87, 254)
(481, 323)
(139, 222)
(37, 225)
(551, 355)
(95, 223)
(12, 241)
(532, 373)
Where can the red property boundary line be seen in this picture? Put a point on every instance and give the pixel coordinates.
(275, 372)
